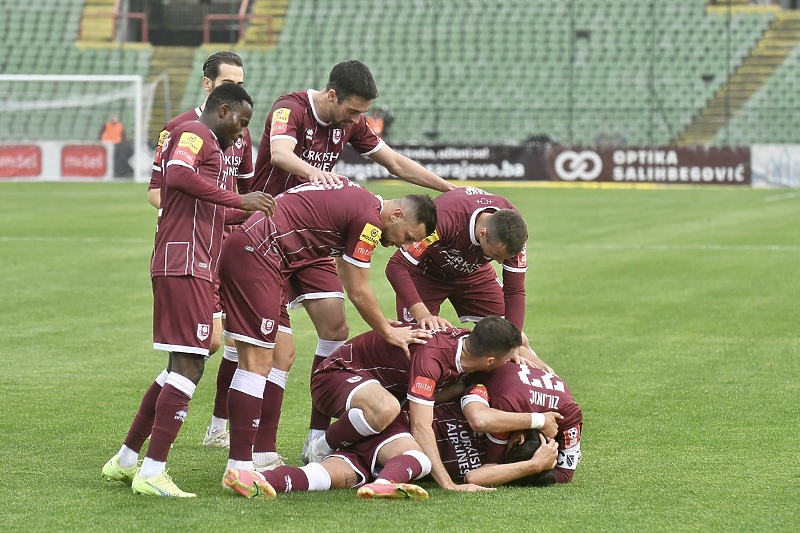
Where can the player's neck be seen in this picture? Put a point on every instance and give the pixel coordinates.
(321, 105)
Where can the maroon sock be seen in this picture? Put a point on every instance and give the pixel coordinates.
(287, 479)
(342, 433)
(270, 416)
(401, 469)
(224, 377)
(171, 409)
(244, 412)
(319, 420)
(142, 424)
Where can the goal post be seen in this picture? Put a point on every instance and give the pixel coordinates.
(60, 118)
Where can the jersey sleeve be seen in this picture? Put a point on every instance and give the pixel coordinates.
(156, 177)
(424, 374)
(364, 139)
(285, 120)
(363, 230)
(246, 170)
(191, 157)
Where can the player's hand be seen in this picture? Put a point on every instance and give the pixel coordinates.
(434, 323)
(518, 359)
(472, 487)
(328, 180)
(547, 454)
(550, 427)
(258, 201)
(402, 337)
(533, 359)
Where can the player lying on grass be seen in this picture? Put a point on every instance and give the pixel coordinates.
(383, 465)
(358, 383)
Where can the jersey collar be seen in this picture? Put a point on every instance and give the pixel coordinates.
(310, 93)
(458, 354)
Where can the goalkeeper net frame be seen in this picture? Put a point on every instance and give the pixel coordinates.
(51, 111)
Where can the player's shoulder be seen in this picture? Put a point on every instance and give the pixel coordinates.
(296, 100)
(187, 116)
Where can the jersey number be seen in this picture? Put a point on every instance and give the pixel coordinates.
(546, 382)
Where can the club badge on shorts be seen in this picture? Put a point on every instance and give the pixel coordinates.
(203, 330)
(267, 325)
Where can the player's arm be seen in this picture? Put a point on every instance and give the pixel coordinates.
(187, 181)
(282, 156)
(514, 295)
(485, 419)
(421, 420)
(491, 475)
(409, 170)
(355, 280)
(154, 197)
(398, 272)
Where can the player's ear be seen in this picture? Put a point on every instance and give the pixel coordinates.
(397, 213)
(332, 98)
(208, 84)
(224, 109)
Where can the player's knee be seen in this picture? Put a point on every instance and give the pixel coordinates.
(334, 331)
(384, 414)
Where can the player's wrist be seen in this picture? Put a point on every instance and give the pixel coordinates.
(537, 420)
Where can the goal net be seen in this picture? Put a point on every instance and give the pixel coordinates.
(60, 119)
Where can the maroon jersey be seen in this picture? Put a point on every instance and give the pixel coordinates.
(194, 193)
(437, 362)
(460, 447)
(452, 252)
(238, 158)
(294, 117)
(312, 222)
(522, 389)
(437, 365)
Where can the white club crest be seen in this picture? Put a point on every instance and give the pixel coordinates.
(267, 325)
(337, 136)
(203, 331)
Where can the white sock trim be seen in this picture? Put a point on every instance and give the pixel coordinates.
(325, 348)
(162, 377)
(356, 417)
(422, 459)
(127, 457)
(182, 383)
(278, 377)
(318, 477)
(230, 354)
(249, 383)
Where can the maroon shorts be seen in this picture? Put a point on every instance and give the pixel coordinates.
(473, 296)
(251, 285)
(333, 388)
(183, 313)
(363, 455)
(313, 280)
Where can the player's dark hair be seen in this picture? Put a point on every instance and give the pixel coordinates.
(227, 93)
(352, 78)
(493, 336)
(507, 227)
(524, 452)
(422, 210)
(213, 62)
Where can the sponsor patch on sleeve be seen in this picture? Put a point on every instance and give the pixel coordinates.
(480, 391)
(188, 147)
(280, 121)
(522, 257)
(363, 252)
(572, 437)
(424, 387)
(367, 241)
(191, 141)
(418, 248)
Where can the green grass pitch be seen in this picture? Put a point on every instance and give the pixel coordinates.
(672, 314)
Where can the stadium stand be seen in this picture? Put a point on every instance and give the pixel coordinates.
(41, 37)
(473, 71)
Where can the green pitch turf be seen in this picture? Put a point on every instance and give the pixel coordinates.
(671, 313)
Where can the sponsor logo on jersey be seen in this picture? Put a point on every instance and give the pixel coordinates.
(162, 137)
(480, 391)
(572, 437)
(336, 135)
(371, 235)
(522, 257)
(203, 331)
(419, 247)
(191, 141)
(267, 325)
(363, 252)
(423, 386)
(280, 121)
(354, 379)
